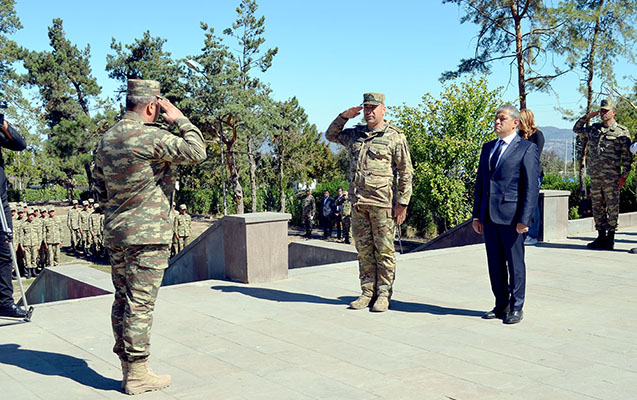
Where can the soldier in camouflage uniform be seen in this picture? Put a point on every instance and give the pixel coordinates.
(609, 161)
(17, 240)
(96, 227)
(43, 254)
(135, 180)
(173, 243)
(346, 213)
(183, 228)
(309, 208)
(52, 234)
(73, 223)
(85, 216)
(30, 239)
(380, 178)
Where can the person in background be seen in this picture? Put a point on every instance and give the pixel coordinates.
(532, 133)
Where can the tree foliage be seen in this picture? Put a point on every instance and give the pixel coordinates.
(513, 30)
(445, 136)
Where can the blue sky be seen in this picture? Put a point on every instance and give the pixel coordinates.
(330, 52)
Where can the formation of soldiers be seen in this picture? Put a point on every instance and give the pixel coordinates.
(38, 234)
(86, 228)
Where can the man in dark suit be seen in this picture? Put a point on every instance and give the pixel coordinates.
(327, 214)
(506, 193)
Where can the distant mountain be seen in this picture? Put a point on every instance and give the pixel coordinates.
(558, 140)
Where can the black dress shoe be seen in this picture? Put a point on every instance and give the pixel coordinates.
(12, 311)
(495, 313)
(514, 317)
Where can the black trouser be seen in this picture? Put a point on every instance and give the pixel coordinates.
(6, 265)
(338, 221)
(327, 226)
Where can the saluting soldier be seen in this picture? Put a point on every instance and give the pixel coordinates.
(85, 215)
(134, 178)
(30, 239)
(609, 160)
(183, 228)
(73, 223)
(53, 238)
(378, 153)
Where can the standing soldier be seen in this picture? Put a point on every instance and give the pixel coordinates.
(73, 223)
(85, 215)
(346, 212)
(183, 228)
(43, 254)
(173, 243)
(309, 208)
(338, 212)
(17, 240)
(609, 161)
(134, 178)
(30, 239)
(96, 224)
(52, 238)
(380, 179)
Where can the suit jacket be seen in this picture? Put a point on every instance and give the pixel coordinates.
(330, 204)
(509, 195)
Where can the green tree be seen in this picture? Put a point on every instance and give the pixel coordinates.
(514, 30)
(248, 31)
(445, 137)
(596, 34)
(68, 92)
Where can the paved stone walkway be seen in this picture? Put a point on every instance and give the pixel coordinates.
(295, 339)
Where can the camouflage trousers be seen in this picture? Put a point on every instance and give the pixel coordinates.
(347, 228)
(182, 241)
(373, 230)
(76, 239)
(137, 272)
(307, 223)
(53, 250)
(43, 256)
(605, 202)
(30, 256)
(86, 241)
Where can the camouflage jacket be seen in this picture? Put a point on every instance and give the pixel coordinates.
(85, 216)
(96, 223)
(183, 225)
(135, 177)
(30, 233)
(17, 230)
(73, 218)
(309, 206)
(608, 149)
(52, 230)
(346, 208)
(380, 171)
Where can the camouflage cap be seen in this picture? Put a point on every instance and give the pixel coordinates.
(85, 203)
(142, 88)
(31, 212)
(91, 200)
(35, 210)
(608, 104)
(21, 211)
(51, 209)
(42, 210)
(96, 205)
(74, 201)
(373, 98)
(182, 206)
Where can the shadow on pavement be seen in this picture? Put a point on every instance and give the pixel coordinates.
(287, 297)
(45, 363)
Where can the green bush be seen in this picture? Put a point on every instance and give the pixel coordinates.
(201, 201)
(56, 192)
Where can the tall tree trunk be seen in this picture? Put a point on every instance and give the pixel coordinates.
(253, 175)
(281, 179)
(519, 55)
(590, 67)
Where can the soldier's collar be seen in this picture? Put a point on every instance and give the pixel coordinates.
(134, 116)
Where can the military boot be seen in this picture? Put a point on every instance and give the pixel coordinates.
(609, 244)
(140, 378)
(600, 242)
(381, 304)
(360, 303)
